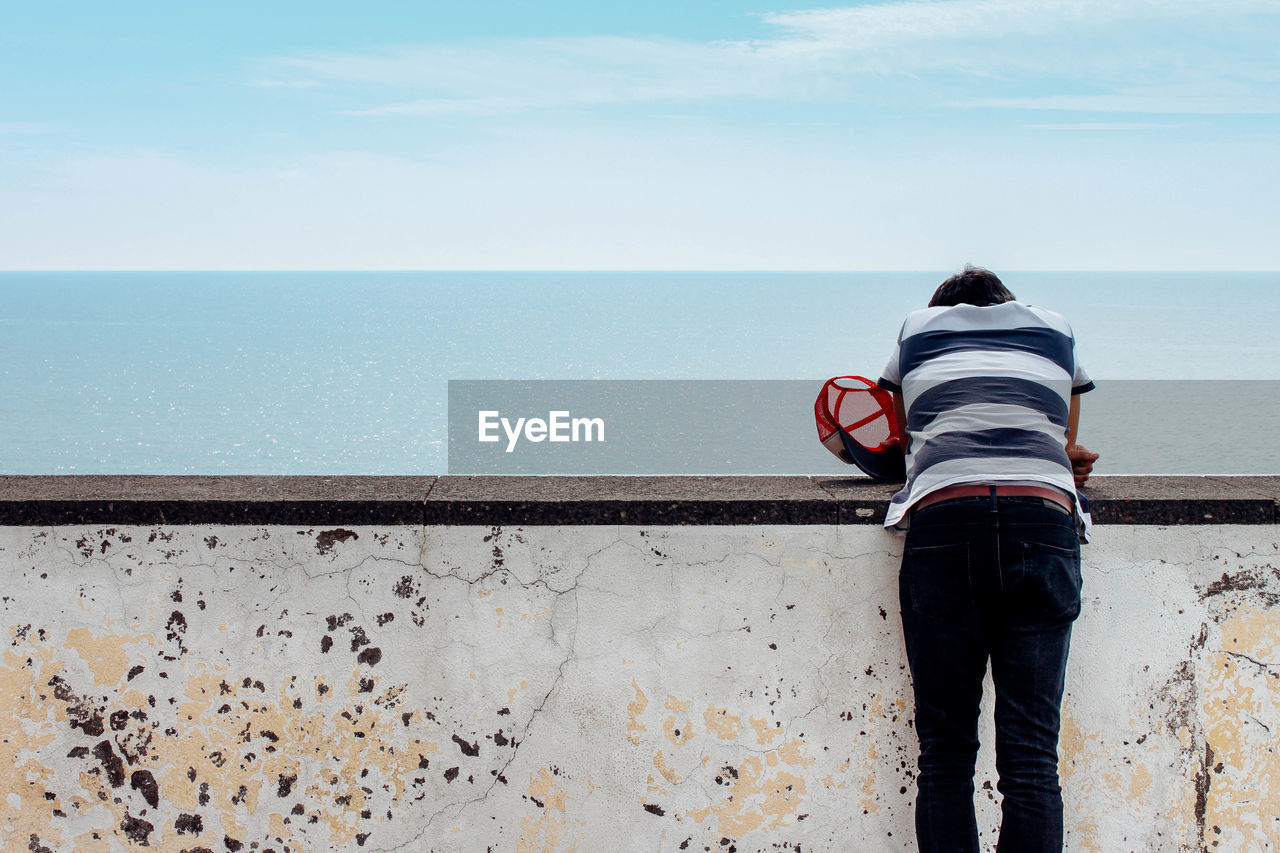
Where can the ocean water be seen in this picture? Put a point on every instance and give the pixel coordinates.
(346, 372)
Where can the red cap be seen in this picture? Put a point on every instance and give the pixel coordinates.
(855, 421)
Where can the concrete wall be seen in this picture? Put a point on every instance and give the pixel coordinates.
(589, 687)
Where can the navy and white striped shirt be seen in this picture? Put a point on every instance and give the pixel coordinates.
(986, 392)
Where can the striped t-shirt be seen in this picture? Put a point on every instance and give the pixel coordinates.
(986, 392)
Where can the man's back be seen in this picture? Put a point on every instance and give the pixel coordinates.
(987, 393)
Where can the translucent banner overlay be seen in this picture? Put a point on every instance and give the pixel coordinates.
(750, 427)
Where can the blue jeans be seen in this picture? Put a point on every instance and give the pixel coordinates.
(989, 578)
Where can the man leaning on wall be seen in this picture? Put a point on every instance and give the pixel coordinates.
(987, 391)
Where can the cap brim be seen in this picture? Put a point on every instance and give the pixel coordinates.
(887, 465)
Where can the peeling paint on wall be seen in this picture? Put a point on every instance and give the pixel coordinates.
(560, 689)
(1239, 694)
(204, 752)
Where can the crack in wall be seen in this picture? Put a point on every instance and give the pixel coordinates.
(1263, 665)
(499, 776)
(574, 576)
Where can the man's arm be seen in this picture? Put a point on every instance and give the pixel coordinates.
(1082, 458)
(900, 415)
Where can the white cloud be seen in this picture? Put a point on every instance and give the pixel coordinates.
(568, 72)
(1195, 97)
(1101, 47)
(876, 25)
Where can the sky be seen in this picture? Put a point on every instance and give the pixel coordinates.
(905, 134)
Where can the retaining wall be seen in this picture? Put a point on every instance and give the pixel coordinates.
(603, 664)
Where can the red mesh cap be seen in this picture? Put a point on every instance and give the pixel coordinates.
(855, 421)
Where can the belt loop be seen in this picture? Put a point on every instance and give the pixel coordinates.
(995, 507)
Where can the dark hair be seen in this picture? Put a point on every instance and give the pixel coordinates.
(974, 286)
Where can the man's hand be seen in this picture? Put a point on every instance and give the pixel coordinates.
(1082, 460)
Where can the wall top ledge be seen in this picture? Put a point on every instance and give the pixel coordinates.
(150, 499)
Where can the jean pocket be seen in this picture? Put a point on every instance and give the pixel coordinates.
(1050, 582)
(935, 580)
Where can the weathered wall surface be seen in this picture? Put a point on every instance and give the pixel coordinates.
(589, 688)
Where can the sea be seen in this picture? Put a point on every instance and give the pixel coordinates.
(348, 372)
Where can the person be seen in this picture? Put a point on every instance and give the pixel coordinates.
(987, 393)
